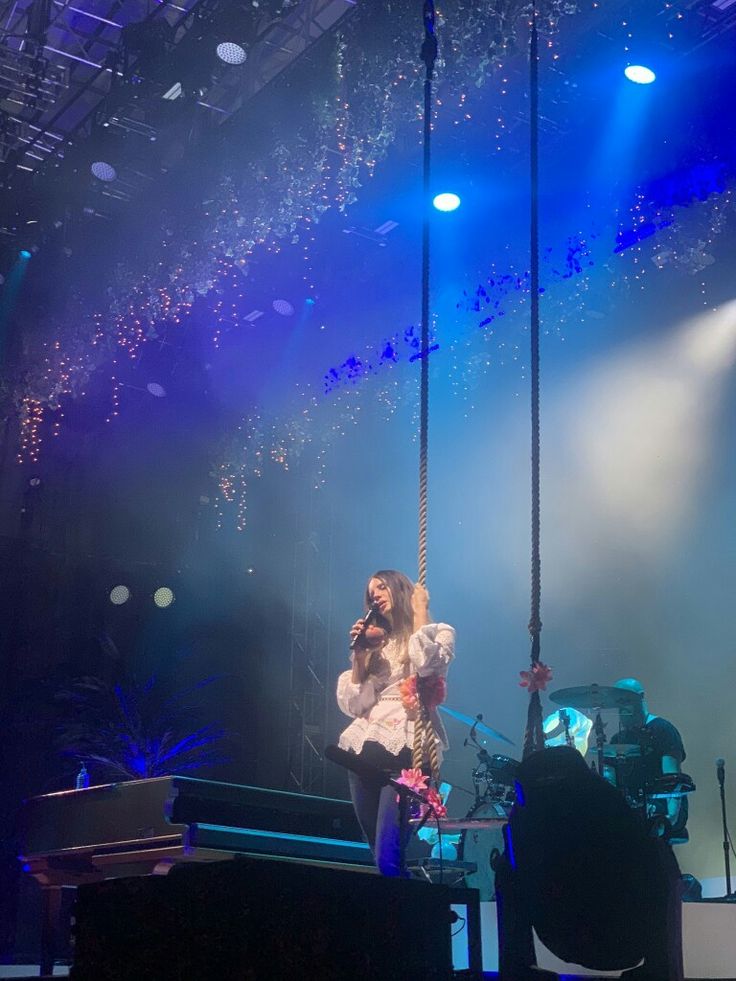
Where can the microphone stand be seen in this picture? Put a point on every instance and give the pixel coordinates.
(726, 837)
(600, 739)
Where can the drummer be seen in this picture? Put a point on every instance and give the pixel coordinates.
(662, 754)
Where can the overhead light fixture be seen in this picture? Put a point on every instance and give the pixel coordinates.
(386, 227)
(173, 93)
(639, 74)
(253, 316)
(163, 597)
(283, 307)
(119, 595)
(158, 391)
(25, 254)
(723, 4)
(231, 53)
(447, 201)
(103, 171)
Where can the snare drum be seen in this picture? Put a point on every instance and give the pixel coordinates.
(481, 845)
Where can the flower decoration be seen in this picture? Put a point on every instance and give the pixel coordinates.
(435, 802)
(409, 694)
(429, 691)
(537, 678)
(415, 780)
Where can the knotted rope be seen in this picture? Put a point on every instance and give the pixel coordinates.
(534, 735)
(425, 738)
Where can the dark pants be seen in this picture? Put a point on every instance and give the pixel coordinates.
(377, 809)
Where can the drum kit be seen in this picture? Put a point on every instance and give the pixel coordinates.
(480, 831)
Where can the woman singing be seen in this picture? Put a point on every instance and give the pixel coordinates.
(398, 641)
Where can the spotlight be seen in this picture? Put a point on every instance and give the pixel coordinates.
(163, 597)
(447, 201)
(231, 53)
(158, 391)
(283, 307)
(119, 595)
(639, 74)
(34, 482)
(25, 254)
(103, 171)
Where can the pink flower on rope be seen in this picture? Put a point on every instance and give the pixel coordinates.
(414, 779)
(414, 690)
(435, 801)
(409, 694)
(417, 781)
(537, 678)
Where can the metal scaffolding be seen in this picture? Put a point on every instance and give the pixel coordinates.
(310, 676)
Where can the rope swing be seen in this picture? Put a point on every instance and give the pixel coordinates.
(538, 675)
(425, 739)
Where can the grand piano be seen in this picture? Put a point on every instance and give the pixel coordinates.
(142, 827)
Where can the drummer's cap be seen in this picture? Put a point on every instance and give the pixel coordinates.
(631, 684)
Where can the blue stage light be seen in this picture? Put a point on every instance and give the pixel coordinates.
(639, 74)
(25, 254)
(446, 201)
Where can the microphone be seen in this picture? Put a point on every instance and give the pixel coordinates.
(721, 771)
(370, 617)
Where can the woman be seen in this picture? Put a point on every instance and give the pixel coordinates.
(398, 641)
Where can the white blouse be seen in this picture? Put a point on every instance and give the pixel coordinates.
(375, 704)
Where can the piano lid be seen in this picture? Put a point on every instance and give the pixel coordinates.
(138, 810)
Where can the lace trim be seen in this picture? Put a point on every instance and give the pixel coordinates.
(353, 739)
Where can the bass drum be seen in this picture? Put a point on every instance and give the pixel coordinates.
(481, 845)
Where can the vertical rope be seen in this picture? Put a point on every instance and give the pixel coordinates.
(534, 736)
(425, 738)
(429, 54)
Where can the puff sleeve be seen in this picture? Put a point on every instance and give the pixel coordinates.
(431, 649)
(355, 700)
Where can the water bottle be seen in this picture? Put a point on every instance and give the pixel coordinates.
(82, 778)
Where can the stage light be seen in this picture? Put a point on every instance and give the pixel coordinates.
(158, 391)
(231, 53)
(639, 74)
(163, 597)
(447, 201)
(25, 254)
(119, 595)
(283, 307)
(103, 171)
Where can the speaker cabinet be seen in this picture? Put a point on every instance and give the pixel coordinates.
(247, 920)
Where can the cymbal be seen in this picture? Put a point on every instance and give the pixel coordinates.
(596, 697)
(479, 725)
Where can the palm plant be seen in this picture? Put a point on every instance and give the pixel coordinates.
(132, 731)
